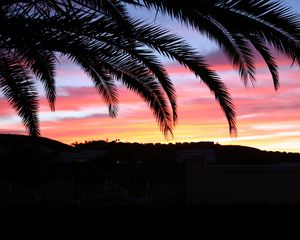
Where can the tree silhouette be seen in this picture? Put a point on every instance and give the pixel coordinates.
(110, 46)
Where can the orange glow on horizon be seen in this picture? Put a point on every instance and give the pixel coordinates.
(267, 119)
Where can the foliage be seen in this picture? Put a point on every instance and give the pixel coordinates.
(110, 46)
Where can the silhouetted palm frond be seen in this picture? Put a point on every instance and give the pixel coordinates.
(98, 52)
(19, 89)
(101, 37)
(236, 25)
(264, 51)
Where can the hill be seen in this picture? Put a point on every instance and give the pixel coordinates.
(252, 156)
(126, 172)
(26, 155)
(21, 154)
(164, 154)
(23, 141)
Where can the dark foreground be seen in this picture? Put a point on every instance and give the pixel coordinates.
(151, 215)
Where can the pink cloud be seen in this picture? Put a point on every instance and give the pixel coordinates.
(5, 109)
(200, 116)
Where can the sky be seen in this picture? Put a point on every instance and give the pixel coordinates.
(266, 119)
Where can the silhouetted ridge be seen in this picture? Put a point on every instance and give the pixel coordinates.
(26, 141)
(34, 155)
(225, 154)
(24, 155)
(249, 155)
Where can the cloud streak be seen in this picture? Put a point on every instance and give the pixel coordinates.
(265, 116)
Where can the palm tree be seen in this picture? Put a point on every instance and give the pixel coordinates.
(110, 46)
(239, 26)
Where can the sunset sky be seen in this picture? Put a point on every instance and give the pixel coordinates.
(266, 119)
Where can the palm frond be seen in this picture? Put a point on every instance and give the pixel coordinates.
(122, 42)
(42, 63)
(220, 91)
(19, 89)
(98, 48)
(103, 82)
(100, 36)
(277, 26)
(234, 45)
(16, 35)
(271, 21)
(175, 48)
(137, 78)
(267, 56)
(151, 93)
(271, 12)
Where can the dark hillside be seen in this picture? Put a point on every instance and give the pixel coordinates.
(225, 154)
(99, 176)
(20, 141)
(248, 155)
(28, 155)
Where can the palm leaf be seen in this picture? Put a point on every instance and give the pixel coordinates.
(175, 48)
(18, 88)
(272, 22)
(269, 59)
